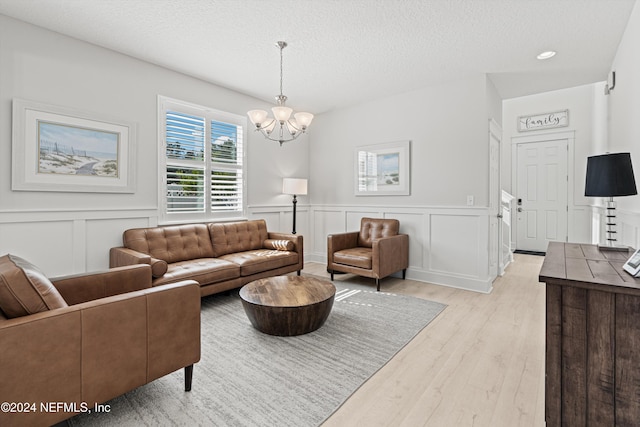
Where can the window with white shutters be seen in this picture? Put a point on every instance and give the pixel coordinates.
(202, 162)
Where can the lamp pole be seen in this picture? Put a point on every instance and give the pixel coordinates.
(295, 202)
(294, 186)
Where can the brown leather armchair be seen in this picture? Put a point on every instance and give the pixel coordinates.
(85, 339)
(376, 251)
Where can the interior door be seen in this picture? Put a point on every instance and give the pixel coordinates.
(541, 194)
(495, 193)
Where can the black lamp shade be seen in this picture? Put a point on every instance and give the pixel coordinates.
(610, 175)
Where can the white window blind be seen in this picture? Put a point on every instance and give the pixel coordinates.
(202, 159)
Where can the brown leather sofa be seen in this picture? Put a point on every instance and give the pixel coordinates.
(69, 343)
(219, 256)
(376, 251)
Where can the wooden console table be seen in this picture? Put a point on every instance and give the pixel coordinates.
(592, 338)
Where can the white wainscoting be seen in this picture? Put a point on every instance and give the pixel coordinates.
(68, 242)
(447, 246)
(628, 227)
(580, 225)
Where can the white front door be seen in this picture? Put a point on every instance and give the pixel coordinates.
(541, 194)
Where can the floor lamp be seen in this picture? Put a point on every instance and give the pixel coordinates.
(610, 175)
(295, 187)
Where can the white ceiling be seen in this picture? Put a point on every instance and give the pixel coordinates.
(345, 52)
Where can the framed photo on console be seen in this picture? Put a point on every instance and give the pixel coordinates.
(57, 148)
(383, 169)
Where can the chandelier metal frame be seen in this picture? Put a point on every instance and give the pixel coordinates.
(286, 128)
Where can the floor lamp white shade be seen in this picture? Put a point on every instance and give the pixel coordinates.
(295, 186)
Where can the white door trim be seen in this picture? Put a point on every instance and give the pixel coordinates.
(495, 205)
(570, 136)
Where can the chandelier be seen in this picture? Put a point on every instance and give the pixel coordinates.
(281, 127)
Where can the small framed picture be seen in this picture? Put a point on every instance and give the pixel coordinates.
(383, 169)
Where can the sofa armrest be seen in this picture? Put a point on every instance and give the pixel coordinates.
(296, 239)
(390, 254)
(98, 350)
(298, 245)
(122, 256)
(85, 287)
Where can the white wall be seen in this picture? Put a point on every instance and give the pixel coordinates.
(624, 126)
(72, 232)
(602, 123)
(448, 128)
(588, 122)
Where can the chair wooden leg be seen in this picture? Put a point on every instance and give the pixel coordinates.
(404, 274)
(298, 272)
(377, 285)
(188, 377)
(332, 275)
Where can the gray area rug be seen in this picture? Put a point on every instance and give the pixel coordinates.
(247, 378)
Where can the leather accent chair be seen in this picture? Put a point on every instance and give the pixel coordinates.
(88, 338)
(376, 251)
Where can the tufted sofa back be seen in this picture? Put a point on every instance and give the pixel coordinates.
(237, 236)
(171, 244)
(375, 228)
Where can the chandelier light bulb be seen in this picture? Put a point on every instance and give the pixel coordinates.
(270, 127)
(282, 113)
(257, 117)
(292, 126)
(303, 119)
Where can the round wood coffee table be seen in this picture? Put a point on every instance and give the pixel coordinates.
(288, 305)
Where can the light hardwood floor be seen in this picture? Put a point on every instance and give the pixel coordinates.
(479, 363)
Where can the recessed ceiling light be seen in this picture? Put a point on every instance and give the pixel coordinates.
(546, 55)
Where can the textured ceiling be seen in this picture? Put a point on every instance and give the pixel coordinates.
(344, 52)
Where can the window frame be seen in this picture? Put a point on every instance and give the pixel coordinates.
(166, 104)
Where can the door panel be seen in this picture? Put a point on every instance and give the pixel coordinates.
(541, 194)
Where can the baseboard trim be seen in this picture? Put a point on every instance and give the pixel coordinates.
(449, 279)
(518, 251)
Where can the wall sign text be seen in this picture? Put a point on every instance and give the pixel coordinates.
(556, 119)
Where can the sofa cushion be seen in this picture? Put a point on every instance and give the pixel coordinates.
(356, 257)
(204, 271)
(24, 289)
(279, 245)
(375, 228)
(260, 260)
(172, 243)
(234, 237)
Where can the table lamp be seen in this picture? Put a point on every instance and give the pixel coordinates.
(610, 175)
(296, 187)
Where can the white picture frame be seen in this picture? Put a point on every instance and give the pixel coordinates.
(383, 169)
(552, 120)
(62, 149)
